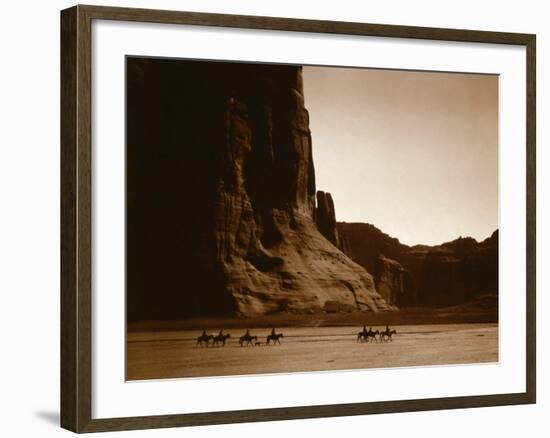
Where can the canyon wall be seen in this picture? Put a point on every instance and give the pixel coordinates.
(422, 275)
(222, 215)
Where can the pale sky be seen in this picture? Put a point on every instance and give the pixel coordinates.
(414, 153)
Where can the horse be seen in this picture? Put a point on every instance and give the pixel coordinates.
(220, 339)
(386, 335)
(275, 337)
(372, 334)
(204, 339)
(362, 336)
(248, 339)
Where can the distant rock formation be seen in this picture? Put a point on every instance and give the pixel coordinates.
(364, 243)
(377, 252)
(454, 272)
(448, 274)
(221, 197)
(392, 281)
(325, 217)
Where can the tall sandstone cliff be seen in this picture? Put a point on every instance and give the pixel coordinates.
(221, 194)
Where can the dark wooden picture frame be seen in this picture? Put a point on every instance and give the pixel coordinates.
(76, 218)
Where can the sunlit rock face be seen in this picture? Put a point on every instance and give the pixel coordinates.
(221, 189)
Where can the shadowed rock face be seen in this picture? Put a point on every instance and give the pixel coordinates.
(392, 281)
(448, 274)
(364, 243)
(221, 197)
(325, 217)
(454, 272)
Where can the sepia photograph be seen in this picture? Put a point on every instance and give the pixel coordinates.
(301, 218)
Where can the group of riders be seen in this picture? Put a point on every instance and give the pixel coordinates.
(244, 341)
(371, 335)
(274, 338)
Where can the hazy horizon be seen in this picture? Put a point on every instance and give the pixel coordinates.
(413, 153)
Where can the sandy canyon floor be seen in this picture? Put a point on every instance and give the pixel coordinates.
(174, 354)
